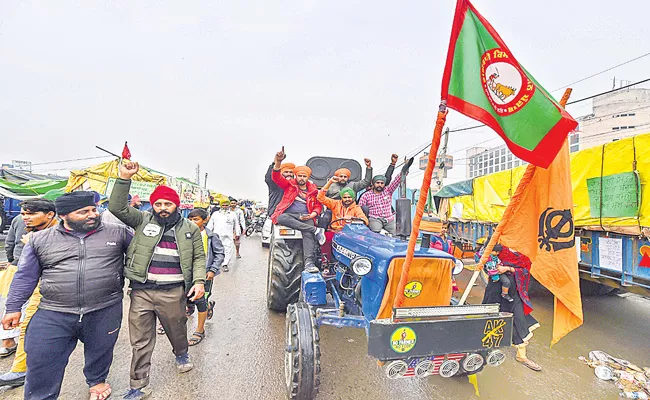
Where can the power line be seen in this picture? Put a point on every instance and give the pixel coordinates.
(609, 91)
(569, 103)
(602, 72)
(76, 159)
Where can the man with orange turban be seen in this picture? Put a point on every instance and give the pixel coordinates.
(343, 175)
(299, 208)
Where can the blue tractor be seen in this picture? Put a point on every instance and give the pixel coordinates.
(425, 336)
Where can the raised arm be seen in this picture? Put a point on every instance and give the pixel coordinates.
(118, 204)
(393, 185)
(365, 182)
(322, 194)
(391, 169)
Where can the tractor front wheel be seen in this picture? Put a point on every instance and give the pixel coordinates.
(284, 274)
(302, 356)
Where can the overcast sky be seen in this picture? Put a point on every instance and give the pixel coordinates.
(226, 83)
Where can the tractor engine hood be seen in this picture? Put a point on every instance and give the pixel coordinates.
(356, 240)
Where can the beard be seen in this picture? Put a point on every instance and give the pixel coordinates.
(168, 219)
(85, 225)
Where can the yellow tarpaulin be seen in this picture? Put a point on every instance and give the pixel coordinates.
(492, 192)
(96, 177)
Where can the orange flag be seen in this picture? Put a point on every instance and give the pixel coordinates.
(542, 228)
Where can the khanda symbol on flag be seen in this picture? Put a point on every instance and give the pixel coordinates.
(484, 81)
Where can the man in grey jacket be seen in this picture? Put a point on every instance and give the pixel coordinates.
(344, 176)
(79, 264)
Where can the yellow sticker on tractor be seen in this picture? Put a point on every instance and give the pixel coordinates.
(413, 289)
(403, 339)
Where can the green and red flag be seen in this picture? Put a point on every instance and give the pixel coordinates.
(484, 81)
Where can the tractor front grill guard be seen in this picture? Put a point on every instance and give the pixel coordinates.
(444, 311)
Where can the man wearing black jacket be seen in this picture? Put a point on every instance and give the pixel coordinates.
(275, 193)
(80, 267)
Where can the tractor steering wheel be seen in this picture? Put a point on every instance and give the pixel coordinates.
(329, 227)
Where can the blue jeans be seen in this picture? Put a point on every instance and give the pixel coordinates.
(52, 336)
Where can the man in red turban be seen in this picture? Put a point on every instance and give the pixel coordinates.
(299, 208)
(166, 266)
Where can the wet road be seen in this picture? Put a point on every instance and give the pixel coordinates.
(242, 354)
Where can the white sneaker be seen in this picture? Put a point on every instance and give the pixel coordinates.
(320, 236)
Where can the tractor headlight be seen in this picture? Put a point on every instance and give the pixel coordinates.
(458, 268)
(361, 266)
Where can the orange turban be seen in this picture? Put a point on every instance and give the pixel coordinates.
(342, 171)
(286, 166)
(303, 169)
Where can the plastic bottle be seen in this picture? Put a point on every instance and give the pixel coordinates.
(634, 395)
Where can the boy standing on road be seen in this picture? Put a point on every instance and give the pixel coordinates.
(215, 255)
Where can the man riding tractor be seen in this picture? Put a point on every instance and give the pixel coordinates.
(413, 333)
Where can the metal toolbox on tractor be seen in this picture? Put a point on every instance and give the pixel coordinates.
(426, 331)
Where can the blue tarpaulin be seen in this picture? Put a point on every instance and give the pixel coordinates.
(456, 189)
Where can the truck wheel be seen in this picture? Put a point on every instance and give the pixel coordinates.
(284, 274)
(302, 355)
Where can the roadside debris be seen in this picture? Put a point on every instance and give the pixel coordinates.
(633, 381)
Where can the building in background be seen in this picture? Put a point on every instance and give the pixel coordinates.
(617, 115)
(482, 161)
(438, 172)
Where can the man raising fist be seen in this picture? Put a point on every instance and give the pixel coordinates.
(166, 265)
(299, 208)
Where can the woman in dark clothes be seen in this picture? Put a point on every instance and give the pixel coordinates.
(513, 263)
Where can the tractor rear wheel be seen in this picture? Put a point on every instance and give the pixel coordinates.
(284, 274)
(302, 355)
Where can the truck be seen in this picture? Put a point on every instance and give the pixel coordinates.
(610, 220)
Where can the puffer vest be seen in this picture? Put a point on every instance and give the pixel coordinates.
(81, 274)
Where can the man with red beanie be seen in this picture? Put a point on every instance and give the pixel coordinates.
(299, 208)
(166, 265)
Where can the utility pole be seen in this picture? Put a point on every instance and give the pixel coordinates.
(197, 178)
(205, 182)
(443, 157)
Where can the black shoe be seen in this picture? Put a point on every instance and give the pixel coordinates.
(507, 297)
(225, 268)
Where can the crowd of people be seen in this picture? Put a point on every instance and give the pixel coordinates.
(68, 263)
(296, 202)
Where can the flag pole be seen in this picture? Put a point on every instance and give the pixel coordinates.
(508, 214)
(424, 190)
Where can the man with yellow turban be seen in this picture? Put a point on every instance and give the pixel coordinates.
(299, 208)
(343, 175)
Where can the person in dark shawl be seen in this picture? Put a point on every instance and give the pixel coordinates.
(517, 264)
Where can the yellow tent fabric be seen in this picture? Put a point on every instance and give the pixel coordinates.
(492, 192)
(96, 177)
